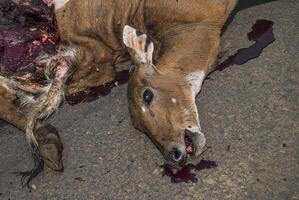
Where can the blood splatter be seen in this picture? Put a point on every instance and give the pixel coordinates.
(94, 93)
(185, 174)
(262, 34)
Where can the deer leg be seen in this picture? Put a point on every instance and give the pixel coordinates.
(50, 146)
(35, 105)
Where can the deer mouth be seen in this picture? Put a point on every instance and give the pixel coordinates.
(189, 145)
(195, 142)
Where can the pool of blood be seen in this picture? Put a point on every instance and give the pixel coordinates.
(262, 34)
(94, 93)
(187, 173)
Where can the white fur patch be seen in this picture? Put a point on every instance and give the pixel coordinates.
(195, 129)
(143, 109)
(187, 112)
(173, 100)
(71, 52)
(195, 80)
(59, 3)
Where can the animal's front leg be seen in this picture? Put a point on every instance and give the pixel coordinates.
(58, 69)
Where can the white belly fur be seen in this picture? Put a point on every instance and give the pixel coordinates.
(59, 3)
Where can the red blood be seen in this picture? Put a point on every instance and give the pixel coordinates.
(44, 38)
(28, 31)
(187, 173)
(189, 149)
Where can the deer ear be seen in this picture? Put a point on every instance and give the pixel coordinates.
(140, 43)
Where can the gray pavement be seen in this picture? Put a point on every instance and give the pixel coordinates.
(252, 108)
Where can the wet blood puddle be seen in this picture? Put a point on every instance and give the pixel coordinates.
(94, 93)
(187, 173)
(262, 34)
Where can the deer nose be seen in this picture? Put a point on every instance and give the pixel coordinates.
(178, 157)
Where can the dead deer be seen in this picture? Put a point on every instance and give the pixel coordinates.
(173, 44)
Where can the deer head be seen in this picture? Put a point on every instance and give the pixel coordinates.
(162, 101)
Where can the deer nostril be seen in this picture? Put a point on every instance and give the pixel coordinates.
(176, 155)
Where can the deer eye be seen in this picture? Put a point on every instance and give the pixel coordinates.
(148, 96)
